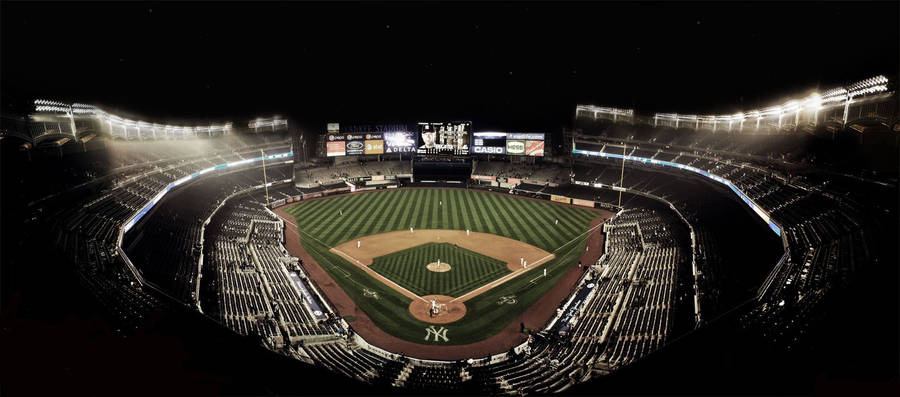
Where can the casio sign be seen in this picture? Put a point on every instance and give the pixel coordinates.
(488, 149)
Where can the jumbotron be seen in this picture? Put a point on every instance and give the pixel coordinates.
(434, 256)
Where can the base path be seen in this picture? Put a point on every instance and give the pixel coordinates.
(535, 317)
(498, 247)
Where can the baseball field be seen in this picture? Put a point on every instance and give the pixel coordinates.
(483, 257)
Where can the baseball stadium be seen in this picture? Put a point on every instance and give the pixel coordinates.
(634, 248)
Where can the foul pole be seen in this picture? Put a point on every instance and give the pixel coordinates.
(265, 182)
(622, 175)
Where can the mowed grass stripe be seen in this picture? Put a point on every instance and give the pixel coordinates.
(468, 269)
(307, 216)
(500, 217)
(328, 214)
(456, 220)
(370, 217)
(460, 214)
(405, 199)
(484, 215)
(413, 208)
(433, 215)
(377, 214)
(532, 221)
(417, 219)
(493, 214)
(567, 216)
(526, 232)
(390, 216)
(354, 221)
(443, 210)
(304, 210)
(471, 213)
(385, 213)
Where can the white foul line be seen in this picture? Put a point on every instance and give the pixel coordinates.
(516, 273)
(376, 275)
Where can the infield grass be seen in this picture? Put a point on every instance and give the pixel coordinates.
(469, 269)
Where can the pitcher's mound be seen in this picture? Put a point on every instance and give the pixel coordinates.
(440, 268)
(448, 312)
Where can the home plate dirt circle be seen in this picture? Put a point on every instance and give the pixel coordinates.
(438, 267)
(449, 313)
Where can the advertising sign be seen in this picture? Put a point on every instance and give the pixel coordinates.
(583, 203)
(560, 199)
(355, 147)
(399, 142)
(534, 148)
(515, 148)
(334, 128)
(489, 143)
(335, 148)
(527, 136)
(374, 146)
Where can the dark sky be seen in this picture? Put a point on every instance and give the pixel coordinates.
(509, 65)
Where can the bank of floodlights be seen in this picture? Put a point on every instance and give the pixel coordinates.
(812, 104)
(267, 122)
(115, 123)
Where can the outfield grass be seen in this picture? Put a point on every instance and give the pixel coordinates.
(322, 226)
(469, 269)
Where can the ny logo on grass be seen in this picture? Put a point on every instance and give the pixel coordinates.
(440, 333)
(507, 300)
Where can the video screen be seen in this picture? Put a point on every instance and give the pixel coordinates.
(444, 138)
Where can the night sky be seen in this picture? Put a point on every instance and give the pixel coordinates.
(513, 66)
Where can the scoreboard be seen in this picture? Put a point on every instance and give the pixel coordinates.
(444, 138)
(441, 138)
